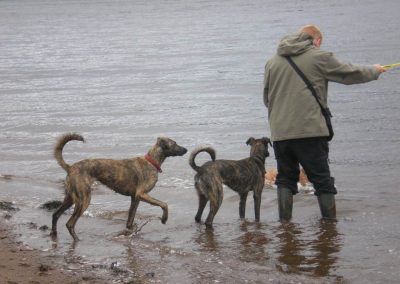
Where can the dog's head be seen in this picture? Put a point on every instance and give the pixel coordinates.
(170, 148)
(259, 147)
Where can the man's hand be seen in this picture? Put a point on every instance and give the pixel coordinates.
(379, 68)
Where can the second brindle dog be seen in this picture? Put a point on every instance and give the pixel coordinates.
(133, 177)
(241, 176)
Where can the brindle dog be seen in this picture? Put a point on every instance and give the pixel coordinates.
(133, 177)
(241, 176)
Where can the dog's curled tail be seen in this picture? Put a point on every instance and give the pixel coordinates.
(64, 139)
(198, 150)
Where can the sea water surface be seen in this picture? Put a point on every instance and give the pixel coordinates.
(123, 73)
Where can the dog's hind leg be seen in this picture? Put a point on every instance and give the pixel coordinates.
(242, 205)
(67, 203)
(199, 185)
(80, 207)
(132, 212)
(216, 197)
(202, 204)
(80, 191)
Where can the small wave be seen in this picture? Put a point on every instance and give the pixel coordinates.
(178, 183)
(6, 177)
(31, 179)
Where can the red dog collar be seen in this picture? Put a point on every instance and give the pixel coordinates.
(154, 163)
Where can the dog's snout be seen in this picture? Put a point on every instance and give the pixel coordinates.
(178, 151)
(184, 151)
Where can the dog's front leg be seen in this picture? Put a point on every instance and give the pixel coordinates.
(257, 203)
(147, 198)
(132, 212)
(242, 205)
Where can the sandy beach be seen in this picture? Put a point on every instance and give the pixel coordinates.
(21, 264)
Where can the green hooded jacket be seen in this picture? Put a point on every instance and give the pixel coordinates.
(293, 112)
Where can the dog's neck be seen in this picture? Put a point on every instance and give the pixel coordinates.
(156, 154)
(258, 157)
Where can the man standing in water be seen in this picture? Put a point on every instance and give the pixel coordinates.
(296, 110)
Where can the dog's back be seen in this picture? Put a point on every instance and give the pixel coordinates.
(235, 174)
(118, 175)
(240, 175)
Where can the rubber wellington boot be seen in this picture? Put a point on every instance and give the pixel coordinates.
(327, 205)
(285, 203)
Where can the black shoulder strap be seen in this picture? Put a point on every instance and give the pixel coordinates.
(325, 111)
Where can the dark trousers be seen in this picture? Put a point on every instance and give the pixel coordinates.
(313, 155)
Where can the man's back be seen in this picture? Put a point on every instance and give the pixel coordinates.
(298, 128)
(292, 110)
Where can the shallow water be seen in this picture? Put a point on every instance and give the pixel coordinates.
(122, 73)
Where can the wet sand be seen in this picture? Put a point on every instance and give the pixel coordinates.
(22, 264)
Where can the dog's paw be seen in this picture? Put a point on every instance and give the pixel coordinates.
(164, 217)
(126, 232)
(209, 226)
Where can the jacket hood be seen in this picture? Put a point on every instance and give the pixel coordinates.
(295, 44)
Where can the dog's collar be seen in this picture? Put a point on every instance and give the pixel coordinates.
(154, 163)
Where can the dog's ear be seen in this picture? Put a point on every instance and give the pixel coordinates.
(266, 141)
(162, 142)
(250, 141)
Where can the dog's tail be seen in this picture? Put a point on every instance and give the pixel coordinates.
(60, 145)
(198, 150)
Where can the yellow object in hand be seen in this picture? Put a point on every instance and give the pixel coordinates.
(390, 66)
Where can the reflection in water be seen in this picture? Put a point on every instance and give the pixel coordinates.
(326, 247)
(290, 248)
(252, 248)
(250, 244)
(72, 255)
(134, 262)
(206, 239)
(297, 253)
